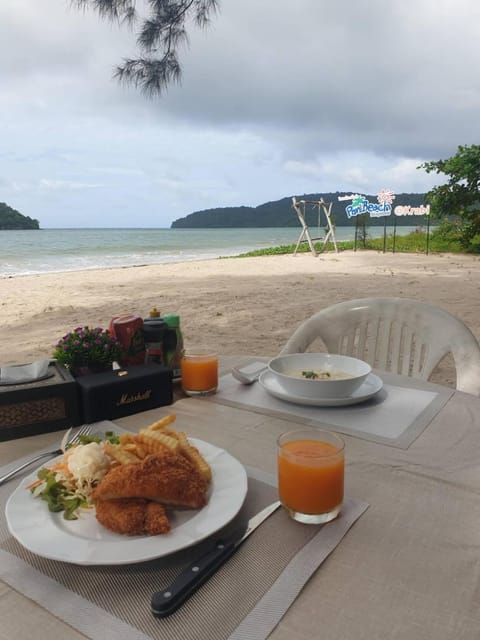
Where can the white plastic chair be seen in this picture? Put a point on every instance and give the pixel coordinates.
(394, 334)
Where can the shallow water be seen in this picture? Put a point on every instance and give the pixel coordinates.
(58, 250)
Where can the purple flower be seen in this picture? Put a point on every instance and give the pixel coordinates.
(84, 344)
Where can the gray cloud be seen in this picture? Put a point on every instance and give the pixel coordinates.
(376, 75)
(277, 98)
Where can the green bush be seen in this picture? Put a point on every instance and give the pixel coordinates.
(444, 239)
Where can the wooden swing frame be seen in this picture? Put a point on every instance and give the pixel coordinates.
(326, 208)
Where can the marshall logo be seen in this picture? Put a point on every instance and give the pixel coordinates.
(127, 398)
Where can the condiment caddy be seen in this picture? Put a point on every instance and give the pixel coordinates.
(155, 339)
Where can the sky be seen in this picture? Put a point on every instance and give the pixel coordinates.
(277, 98)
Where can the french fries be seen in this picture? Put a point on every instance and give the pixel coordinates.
(195, 457)
(161, 424)
(155, 439)
(121, 454)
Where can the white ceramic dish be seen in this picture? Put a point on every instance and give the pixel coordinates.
(368, 389)
(86, 542)
(284, 366)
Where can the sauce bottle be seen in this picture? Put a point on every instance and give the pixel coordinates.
(154, 335)
(127, 329)
(173, 344)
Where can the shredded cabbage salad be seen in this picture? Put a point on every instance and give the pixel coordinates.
(66, 485)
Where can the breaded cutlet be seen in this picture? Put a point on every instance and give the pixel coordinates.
(133, 517)
(166, 477)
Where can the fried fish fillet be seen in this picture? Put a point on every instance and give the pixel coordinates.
(133, 517)
(165, 477)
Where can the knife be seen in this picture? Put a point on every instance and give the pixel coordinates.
(190, 579)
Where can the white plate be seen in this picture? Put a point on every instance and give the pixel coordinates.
(369, 388)
(86, 542)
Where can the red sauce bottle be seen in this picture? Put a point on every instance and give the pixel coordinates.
(128, 330)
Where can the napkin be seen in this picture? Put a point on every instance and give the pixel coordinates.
(23, 373)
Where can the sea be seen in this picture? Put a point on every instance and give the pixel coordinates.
(58, 250)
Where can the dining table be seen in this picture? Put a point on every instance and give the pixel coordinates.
(402, 561)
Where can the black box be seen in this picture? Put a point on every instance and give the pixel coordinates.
(118, 393)
(36, 407)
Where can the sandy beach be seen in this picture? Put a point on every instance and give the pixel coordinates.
(234, 306)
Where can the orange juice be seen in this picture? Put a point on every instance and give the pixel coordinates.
(310, 476)
(199, 373)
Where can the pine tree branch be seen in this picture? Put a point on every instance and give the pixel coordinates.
(158, 39)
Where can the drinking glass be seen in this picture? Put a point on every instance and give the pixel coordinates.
(199, 373)
(311, 474)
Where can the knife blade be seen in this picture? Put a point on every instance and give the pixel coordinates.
(165, 602)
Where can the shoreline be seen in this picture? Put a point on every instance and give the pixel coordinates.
(236, 306)
(93, 269)
(24, 254)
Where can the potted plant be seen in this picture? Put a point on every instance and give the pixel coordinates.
(85, 350)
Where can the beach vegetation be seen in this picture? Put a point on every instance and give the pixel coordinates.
(417, 242)
(457, 202)
(159, 33)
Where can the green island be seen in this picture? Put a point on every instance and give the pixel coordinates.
(280, 213)
(11, 219)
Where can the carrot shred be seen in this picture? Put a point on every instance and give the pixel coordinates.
(33, 484)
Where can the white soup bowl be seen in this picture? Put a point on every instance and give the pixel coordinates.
(319, 375)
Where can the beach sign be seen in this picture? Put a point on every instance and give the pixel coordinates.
(382, 208)
(406, 210)
(361, 204)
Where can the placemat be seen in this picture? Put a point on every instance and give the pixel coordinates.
(395, 416)
(246, 598)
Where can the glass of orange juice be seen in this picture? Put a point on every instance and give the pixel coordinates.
(199, 373)
(311, 471)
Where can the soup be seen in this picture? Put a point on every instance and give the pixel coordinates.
(318, 374)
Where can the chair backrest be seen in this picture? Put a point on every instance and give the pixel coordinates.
(394, 334)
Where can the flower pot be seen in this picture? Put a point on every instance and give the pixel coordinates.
(88, 369)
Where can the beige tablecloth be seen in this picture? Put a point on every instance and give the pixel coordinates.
(408, 568)
(263, 579)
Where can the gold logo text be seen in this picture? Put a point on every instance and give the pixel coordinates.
(127, 398)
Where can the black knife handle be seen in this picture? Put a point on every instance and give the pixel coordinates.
(165, 602)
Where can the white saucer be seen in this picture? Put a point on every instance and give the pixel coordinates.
(369, 388)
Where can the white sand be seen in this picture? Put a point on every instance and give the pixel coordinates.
(235, 306)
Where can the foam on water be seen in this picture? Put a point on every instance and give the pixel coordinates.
(58, 250)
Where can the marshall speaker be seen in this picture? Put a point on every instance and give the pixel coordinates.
(121, 392)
